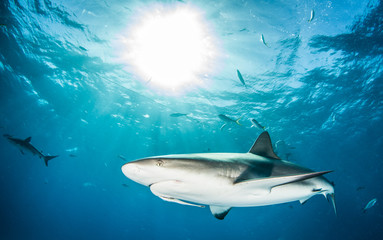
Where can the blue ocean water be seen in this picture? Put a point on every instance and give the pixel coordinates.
(315, 82)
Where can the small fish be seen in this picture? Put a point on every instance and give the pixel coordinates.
(122, 157)
(360, 188)
(282, 148)
(228, 120)
(370, 204)
(178, 114)
(312, 15)
(241, 78)
(263, 41)
(88, 184)
(72, 155)
(82, 48)
(125, 185)
(255, 123)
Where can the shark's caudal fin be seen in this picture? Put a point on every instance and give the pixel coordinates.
(47, 158)
(263, 147)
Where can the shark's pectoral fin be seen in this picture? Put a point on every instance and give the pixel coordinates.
(172, 190)
(219, 212)
(170, 199)
(28, 139)
(266, 184)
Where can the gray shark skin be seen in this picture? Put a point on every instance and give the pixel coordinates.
(25, 145)
(226, 180)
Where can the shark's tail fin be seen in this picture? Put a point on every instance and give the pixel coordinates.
(47, 158)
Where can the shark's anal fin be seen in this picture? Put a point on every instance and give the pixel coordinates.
(169, 199)
(263, 147)
(219, 212)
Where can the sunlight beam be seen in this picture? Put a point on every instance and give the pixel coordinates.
(170, 48)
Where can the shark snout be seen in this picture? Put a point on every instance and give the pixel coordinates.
(138, 172)
(131, 170)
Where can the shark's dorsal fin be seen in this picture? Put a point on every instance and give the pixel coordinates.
(263, 147)
(28, 139)
(219, 212)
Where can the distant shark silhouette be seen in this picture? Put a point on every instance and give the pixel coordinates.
(226, 180)
(25, 145)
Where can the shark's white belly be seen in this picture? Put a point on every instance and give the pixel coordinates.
(225, 193)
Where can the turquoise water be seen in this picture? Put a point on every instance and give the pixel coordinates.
(65, 80)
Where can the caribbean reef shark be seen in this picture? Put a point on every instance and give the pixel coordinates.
(226, 180)
(25, 145)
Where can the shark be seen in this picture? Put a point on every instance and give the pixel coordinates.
(25, 145)
(226, 180)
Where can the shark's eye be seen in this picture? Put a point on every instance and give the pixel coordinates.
(160, 163)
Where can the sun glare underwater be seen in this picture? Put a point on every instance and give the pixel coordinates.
(257, 111)
(171, 47)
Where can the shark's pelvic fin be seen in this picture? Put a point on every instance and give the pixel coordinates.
(28, 139)
(219, 212)
(263, 147)
(169, 199)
